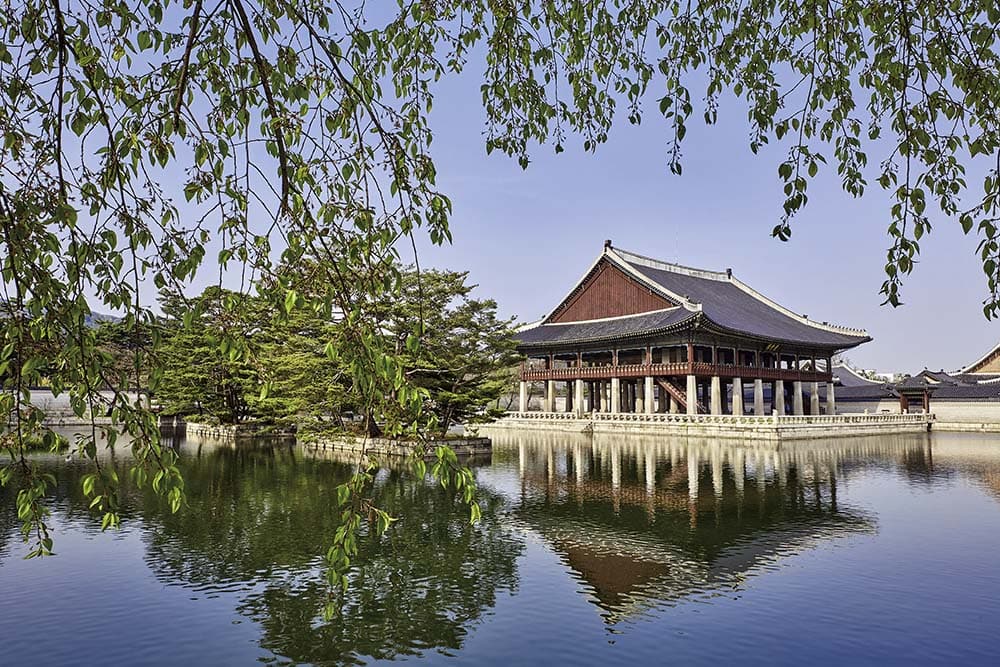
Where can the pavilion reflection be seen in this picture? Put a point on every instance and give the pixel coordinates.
(645, 522)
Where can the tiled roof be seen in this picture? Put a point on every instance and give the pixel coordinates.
(597, 330)
(728, 303)
(845, 376)
(918, 382)
(968, 392)
(973, 378)
(870, 392)
(717, 299)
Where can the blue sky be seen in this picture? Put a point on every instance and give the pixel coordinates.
(526, 236)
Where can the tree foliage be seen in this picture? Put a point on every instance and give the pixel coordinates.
(203, 372)
(464, 350)
(142, 136)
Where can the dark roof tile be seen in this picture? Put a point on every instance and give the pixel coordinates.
(731, 307)
(597, 330)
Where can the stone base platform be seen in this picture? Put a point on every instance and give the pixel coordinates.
(233, 431)
(967, 427)
(462, 447)
(747, 427)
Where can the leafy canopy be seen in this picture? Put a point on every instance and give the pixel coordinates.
(142, 136)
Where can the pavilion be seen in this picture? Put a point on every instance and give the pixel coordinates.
(638, 335)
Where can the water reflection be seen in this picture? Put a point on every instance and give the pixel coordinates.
(646, 522)
(257, 518)
(640, 524)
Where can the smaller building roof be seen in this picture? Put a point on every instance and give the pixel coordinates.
(845, 376)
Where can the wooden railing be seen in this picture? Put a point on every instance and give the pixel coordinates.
(631, 371)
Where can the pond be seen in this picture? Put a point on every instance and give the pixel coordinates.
(590, 551)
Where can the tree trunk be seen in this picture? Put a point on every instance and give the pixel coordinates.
(371, 427)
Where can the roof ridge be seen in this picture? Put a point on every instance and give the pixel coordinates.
(856, 374)
(673, 267)
(980, 360)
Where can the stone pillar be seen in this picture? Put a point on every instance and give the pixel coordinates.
(758, 397)
(692, 395)
(570, 404)
(578, 399)
(616, 396)
(640, 398)
(648, 399)
(814, 398)
(831, 400)
(674, 407)
(778, 397)
(550, 396)
(737, 397)
(522, 404)
(796, 397)
(716, 398)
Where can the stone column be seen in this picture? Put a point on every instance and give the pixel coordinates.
(648, 399)
(831, 400)
(569, 405)
(737, 397)
(550, 396)
(814, 398)
(778, 397)
(797, 397)
(640, 399)
(758, 397)
(616, 396)
(692, 395)
(522, 404)
(674, 407)
(578, 399)
(716, 398)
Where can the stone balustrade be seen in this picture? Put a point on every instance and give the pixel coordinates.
(783, 420)
(744, 427)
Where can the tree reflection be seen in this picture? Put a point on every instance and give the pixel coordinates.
(259, 519)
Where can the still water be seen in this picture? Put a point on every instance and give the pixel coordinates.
(590, 552)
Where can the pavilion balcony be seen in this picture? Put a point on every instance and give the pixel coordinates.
(673, 369)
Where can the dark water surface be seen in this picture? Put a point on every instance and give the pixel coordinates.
(591, 552)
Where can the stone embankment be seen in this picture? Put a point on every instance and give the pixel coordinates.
(467, 446)
(773, 428)
(234, 431)
(464, 446)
